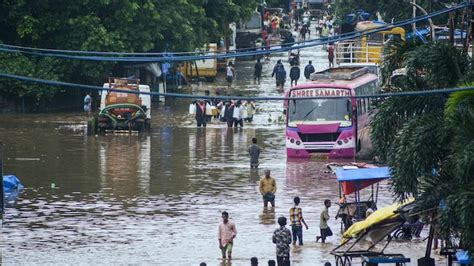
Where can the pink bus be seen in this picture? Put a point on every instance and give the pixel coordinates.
(336, 128)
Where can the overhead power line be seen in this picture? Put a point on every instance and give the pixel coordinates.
(193, 96)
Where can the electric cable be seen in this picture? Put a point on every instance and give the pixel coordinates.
(267, 98)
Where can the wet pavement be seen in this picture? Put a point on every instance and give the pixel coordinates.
(157, 198)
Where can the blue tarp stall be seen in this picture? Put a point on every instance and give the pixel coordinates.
(353, 180)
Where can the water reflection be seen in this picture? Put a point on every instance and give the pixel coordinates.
(125, 163)
(268, 216)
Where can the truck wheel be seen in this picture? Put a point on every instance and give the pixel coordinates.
(141, 127)
(147, 125)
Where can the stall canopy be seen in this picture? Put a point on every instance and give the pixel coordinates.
(356, 179)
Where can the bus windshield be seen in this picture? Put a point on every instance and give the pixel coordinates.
(319, 111)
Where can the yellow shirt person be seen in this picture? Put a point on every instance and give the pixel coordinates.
(267, 189)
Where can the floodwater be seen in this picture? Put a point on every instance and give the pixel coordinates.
(157, 198)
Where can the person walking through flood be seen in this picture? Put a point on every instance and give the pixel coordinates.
(282, 239)
(280, 74)
(230, 74)
(295, 74)
(276, 67)
(323, 223)
(254, 152)
(201, 118)
(309, 68)
(250, 110)
(229, 113)
(209, 103)
(268, 188)
(297, 221)
(238, 114)
(227, 232)
(257, 72)
(331, 56)
(88, 103)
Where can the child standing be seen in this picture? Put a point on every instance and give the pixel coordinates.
(323, 223)
(297, 221)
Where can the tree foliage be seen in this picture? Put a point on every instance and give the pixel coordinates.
(427, 140)
(388, 9)
(108, 25)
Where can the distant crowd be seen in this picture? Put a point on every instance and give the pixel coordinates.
(231, 112)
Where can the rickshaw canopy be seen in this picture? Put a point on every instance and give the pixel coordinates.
(383, 214)
(353, 180)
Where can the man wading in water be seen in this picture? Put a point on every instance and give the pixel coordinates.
(254, 151)
(227, 233)
(282, 239)
(268, 189)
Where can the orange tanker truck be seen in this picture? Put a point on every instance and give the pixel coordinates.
(122, 110)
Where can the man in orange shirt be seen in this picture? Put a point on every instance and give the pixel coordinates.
(227, 233)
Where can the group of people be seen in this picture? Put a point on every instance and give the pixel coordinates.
(232, 112)
(279, 73)
(282, 237)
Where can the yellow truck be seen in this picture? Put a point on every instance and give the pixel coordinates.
(206, 68)
(367, 49)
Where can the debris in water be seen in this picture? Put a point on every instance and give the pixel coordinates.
(27, 159)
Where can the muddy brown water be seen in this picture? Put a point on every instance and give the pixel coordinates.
(157, 198)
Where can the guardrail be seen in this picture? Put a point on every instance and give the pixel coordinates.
(354, 52)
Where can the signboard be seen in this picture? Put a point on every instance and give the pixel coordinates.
(319, 92)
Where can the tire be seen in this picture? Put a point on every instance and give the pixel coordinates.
(100, 131)
(140, 127)
(147, 125)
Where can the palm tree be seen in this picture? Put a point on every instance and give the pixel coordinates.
(427, 140)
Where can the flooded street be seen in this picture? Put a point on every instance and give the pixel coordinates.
(157, 198)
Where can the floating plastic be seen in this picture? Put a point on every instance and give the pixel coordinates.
(11, 184)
